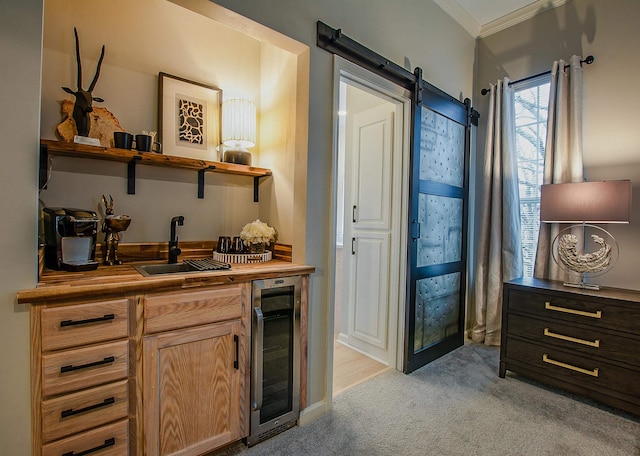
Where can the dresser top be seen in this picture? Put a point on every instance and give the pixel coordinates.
(618, 294)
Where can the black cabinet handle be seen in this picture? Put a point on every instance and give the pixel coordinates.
(353, 246)
(107, 360)
(235, 362)
(107, 443)
(71, 412)
(107, 317)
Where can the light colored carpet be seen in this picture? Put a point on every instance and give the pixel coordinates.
(457, 405)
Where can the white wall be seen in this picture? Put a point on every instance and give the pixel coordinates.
(20, 52)
(411, 32)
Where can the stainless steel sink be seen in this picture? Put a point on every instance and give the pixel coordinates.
(188, 266)
(149, 270)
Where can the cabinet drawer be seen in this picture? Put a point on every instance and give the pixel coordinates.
(179, 310)
(577, 369)
(583, 310)
(586, 340)
(84, 367)
(81, 324)
(109, 440)
(72, 413)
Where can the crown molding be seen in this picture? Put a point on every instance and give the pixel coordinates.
(518, 16)
(462, 17)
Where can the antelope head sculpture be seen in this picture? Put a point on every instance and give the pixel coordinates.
(84, 98)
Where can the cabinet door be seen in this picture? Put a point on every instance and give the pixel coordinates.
(192, 389)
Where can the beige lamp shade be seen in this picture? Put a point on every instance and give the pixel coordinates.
(592, 202)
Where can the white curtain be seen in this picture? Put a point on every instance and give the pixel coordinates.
(499, 252)
(563, 151)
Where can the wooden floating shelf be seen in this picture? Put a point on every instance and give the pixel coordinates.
(133, 158)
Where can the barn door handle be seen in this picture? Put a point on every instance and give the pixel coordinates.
(415, 230)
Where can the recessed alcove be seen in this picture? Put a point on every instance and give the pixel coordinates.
(202, 42)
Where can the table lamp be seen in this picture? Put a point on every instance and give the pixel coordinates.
(238, 130)
(584, 204)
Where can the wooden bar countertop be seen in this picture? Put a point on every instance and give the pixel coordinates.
(123, 279)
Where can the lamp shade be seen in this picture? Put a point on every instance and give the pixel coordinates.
(238, 123)
(594, 202)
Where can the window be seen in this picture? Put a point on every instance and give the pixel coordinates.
(531, 109)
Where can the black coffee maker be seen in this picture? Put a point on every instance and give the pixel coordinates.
(70, 238)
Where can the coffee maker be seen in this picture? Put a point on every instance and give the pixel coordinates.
(70, 238)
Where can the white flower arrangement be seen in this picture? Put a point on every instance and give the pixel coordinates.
(257, 232)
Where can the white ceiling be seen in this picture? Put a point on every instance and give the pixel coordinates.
(484, 17)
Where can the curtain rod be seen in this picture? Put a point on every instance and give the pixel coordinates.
(588, 60)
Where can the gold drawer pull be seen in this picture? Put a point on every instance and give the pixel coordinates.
(596, 314)
(593, 373)
(595, 343)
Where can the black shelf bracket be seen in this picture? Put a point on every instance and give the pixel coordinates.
(201, 179)
(256, 188)
(131, 175)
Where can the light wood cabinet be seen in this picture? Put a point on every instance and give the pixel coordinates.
(195, 386)
(128, 373)
(81, 378)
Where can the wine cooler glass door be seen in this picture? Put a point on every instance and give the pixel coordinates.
(275, 382)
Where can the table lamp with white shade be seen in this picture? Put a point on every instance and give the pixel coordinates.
(238, 130)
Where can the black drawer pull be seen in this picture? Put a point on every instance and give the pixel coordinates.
(107, 317)
(107, 360)
(71, 412)
(107, 443)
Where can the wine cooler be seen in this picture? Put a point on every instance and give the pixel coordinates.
(275, 358)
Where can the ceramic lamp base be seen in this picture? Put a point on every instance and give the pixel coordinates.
(239, 157)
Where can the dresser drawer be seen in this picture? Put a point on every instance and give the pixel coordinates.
(179, 310)
(72, 413)
(109, 440)
(71, 370)
(586, 340)
(574, 368)
(82, 324)
(577, 310)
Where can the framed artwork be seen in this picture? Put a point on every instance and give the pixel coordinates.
(189, 119)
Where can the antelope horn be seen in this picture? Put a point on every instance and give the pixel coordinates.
(75, 32)
(95, 78)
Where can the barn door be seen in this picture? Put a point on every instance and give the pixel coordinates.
(438, 231)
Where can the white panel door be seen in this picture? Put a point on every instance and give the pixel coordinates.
(373, 142)
(368, 319)
(369, 169)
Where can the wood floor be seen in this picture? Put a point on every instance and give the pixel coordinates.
(351, 368)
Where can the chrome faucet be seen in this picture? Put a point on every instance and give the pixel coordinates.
(174, 250)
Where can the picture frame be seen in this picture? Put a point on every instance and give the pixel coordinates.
(189, 117)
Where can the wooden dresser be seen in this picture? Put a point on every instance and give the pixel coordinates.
(583, 341)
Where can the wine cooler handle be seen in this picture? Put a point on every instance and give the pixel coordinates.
(256, 400)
